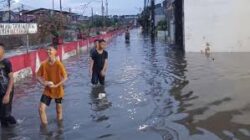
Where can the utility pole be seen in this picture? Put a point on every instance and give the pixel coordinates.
(53, 4)
(103, 19)
(53, 7)
(107, 8)
(152, 17)
(61, 6)
(145, 2)
(102, 8)
(22, 7)
(9, 10)
(92, 17)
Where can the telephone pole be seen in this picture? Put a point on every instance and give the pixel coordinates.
(53, 4)
(92, 15)
(102, 8)
(152, 17)
(107, 8)
(9, 10)
(61, 6)
(103, 16)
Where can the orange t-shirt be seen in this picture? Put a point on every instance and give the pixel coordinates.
(54, 73)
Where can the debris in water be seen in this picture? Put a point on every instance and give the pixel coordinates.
(101, 96)
(142, 127)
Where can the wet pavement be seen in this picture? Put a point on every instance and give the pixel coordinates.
(153, 92)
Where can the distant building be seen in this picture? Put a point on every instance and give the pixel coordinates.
(82, 18)
(128, 19)
(32, 16)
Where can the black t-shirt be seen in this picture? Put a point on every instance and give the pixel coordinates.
(99, 60)
(92, 51)
(5, 70)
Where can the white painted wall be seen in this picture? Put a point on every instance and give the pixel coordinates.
(225, 24)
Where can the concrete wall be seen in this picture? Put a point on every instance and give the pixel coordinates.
(224, 24)
(27, 64)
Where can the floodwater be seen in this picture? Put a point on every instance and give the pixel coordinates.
(153, 92)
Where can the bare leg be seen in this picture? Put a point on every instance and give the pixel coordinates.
(59, 112)
(43, 115)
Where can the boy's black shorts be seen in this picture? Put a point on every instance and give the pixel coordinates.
(97, 77)
(47, 100)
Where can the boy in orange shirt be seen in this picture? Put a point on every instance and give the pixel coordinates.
(52, 76)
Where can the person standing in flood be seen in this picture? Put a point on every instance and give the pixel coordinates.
(99, 64)
(127, 35)
(6, 90)
(92, 50)
(52, 75)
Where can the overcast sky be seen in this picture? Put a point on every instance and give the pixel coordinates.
(116, 7)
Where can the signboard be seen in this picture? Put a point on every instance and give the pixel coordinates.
(17, 28)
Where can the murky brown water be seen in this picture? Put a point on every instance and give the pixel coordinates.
(153, 93)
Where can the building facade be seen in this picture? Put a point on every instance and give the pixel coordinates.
(223, 24)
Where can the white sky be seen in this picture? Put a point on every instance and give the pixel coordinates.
(116, 7)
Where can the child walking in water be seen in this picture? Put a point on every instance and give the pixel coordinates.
(6, 90)
(99, 63)
(52, 76)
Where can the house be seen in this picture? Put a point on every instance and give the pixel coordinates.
(83, 19)
(128, 19)
(33, 15)
(4, 16)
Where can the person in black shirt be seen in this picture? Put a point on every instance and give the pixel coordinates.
(6, 90)
(99, 64)
(92, 50)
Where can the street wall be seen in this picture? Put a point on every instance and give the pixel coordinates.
(223, 24)
(27, 64)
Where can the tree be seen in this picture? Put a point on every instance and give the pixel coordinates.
(51, 25)
(144, 19)
(162, 25)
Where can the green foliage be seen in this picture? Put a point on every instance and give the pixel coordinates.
(162, 25)
(51, 25)
(144, 19)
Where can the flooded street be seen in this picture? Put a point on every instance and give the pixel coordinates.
(153, 92)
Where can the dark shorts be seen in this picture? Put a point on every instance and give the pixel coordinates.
(97, 77)
(5, 109)
(47, 100)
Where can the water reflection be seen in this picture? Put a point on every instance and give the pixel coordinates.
(9, 133)
(99, 103)
(56, 133)
(159, 78)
